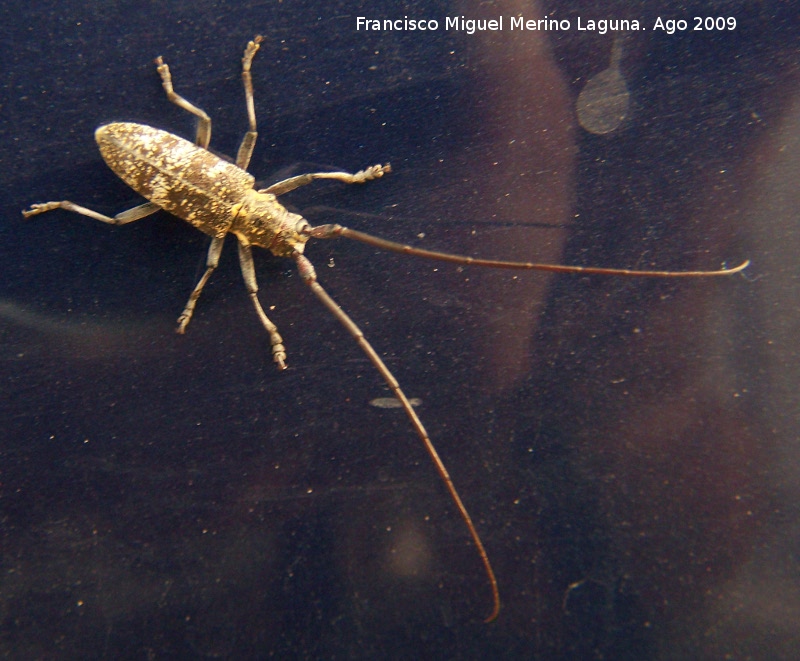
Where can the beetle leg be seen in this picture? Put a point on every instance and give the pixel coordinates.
(203, 136)
(249, 274)
(214, 251)
(360, 177)
(122, 218)
(249, 140)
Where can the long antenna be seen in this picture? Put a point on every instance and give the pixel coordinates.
(306, 270)
(336, 231)
(308, 274)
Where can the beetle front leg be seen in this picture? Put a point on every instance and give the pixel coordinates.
(203, 136)
(214, 251)
(360, 177)
(249, 275)
(121, 218)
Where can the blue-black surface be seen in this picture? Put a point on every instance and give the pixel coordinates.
(625, 447)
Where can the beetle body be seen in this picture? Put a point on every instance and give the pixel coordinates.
(190, 182)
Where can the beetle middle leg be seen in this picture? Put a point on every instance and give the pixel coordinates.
(249, 140)
(212, 261)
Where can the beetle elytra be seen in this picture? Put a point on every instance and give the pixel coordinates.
(218, 198)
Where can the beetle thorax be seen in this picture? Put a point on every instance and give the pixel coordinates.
(263, 221)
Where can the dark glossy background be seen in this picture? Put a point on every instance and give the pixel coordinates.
(627, 448)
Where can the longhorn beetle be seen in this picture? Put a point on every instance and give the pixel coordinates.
(218, 198)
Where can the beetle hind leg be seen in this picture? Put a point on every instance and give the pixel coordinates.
(121, 218)
(203, 136)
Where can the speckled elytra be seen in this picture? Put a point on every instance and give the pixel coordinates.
(218, 198)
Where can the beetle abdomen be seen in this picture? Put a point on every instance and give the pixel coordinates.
(175, 174)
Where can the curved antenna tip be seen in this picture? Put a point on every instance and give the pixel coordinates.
(741, 266)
